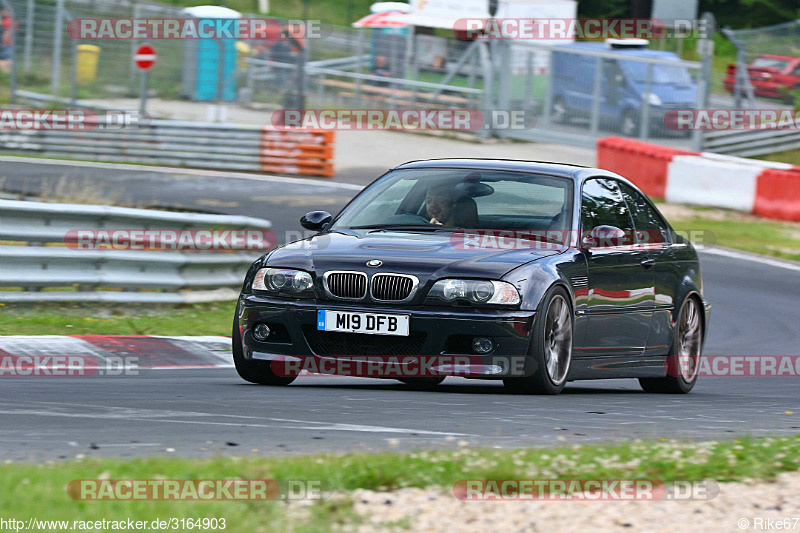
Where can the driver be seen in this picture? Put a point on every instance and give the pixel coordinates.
(440, 203)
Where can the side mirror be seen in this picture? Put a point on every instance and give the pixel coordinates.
(315, 220)
(603, 236)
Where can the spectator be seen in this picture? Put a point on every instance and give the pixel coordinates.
(7, 28)
(281, 51)
(381, 69)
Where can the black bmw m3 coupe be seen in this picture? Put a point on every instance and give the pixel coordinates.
(533, 273)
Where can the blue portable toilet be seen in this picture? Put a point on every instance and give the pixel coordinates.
(201, 74)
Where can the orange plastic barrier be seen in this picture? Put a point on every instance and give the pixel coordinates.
(643, 163)
(297, 152)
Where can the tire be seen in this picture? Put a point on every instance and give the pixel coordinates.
(687, 342)
(422, 383)
(629, 127)
(550, 353)
(560, 112)
(253, 371)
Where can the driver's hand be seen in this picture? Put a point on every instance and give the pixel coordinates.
(434, 221)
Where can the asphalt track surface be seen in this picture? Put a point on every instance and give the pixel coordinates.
(209, 412)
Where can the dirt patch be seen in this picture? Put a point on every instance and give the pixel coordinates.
(437, 510)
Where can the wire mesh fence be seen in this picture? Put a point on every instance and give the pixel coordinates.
(576, 91)
(766, 63)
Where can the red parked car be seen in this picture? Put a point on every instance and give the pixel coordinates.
(772, 76)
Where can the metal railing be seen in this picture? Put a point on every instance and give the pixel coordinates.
(748, 143)
(185, 144)
(331, 83)
(42, 259)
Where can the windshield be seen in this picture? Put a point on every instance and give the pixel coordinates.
(662, 74)
(770, 62)
(450, 199)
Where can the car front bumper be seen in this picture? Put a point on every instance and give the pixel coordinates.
(441, 336)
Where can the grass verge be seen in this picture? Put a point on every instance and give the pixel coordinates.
(733, 229)
(40, 490)
(212, 318)
(791, 157)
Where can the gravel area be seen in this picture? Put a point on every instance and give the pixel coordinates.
(434, 510)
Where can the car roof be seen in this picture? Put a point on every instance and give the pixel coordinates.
(602, 47)
(564, 170)
(544, 167)
(777, 56)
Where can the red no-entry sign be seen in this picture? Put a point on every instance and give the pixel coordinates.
(145, 57)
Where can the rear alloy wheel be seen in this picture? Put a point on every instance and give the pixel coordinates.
(249, 370)
(684, 358)
(551, 348)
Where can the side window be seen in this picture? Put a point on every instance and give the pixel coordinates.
(602, 205)
(650, 227)
(796, 71)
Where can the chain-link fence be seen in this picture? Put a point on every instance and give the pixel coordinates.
(586, 90)
(577, 92)
(766, 63)
(49, 60)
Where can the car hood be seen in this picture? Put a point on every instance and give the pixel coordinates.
(425, 255)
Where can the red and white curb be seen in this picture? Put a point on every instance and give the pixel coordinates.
(150, 352)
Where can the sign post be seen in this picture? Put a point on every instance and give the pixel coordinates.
(144, 59)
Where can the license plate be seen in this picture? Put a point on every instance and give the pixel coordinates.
(369, 323)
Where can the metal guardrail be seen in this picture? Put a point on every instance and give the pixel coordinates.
(186, 144)
(108, 274)
(748, 143)
(45, 101)
(342, 63)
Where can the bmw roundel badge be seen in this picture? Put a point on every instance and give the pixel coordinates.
(374, 263)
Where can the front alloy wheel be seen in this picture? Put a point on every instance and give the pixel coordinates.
(551, 348)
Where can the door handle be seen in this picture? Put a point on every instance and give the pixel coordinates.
(648, 262)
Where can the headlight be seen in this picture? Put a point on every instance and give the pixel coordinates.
(652, 99)
(474, 291)
(295, 282)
